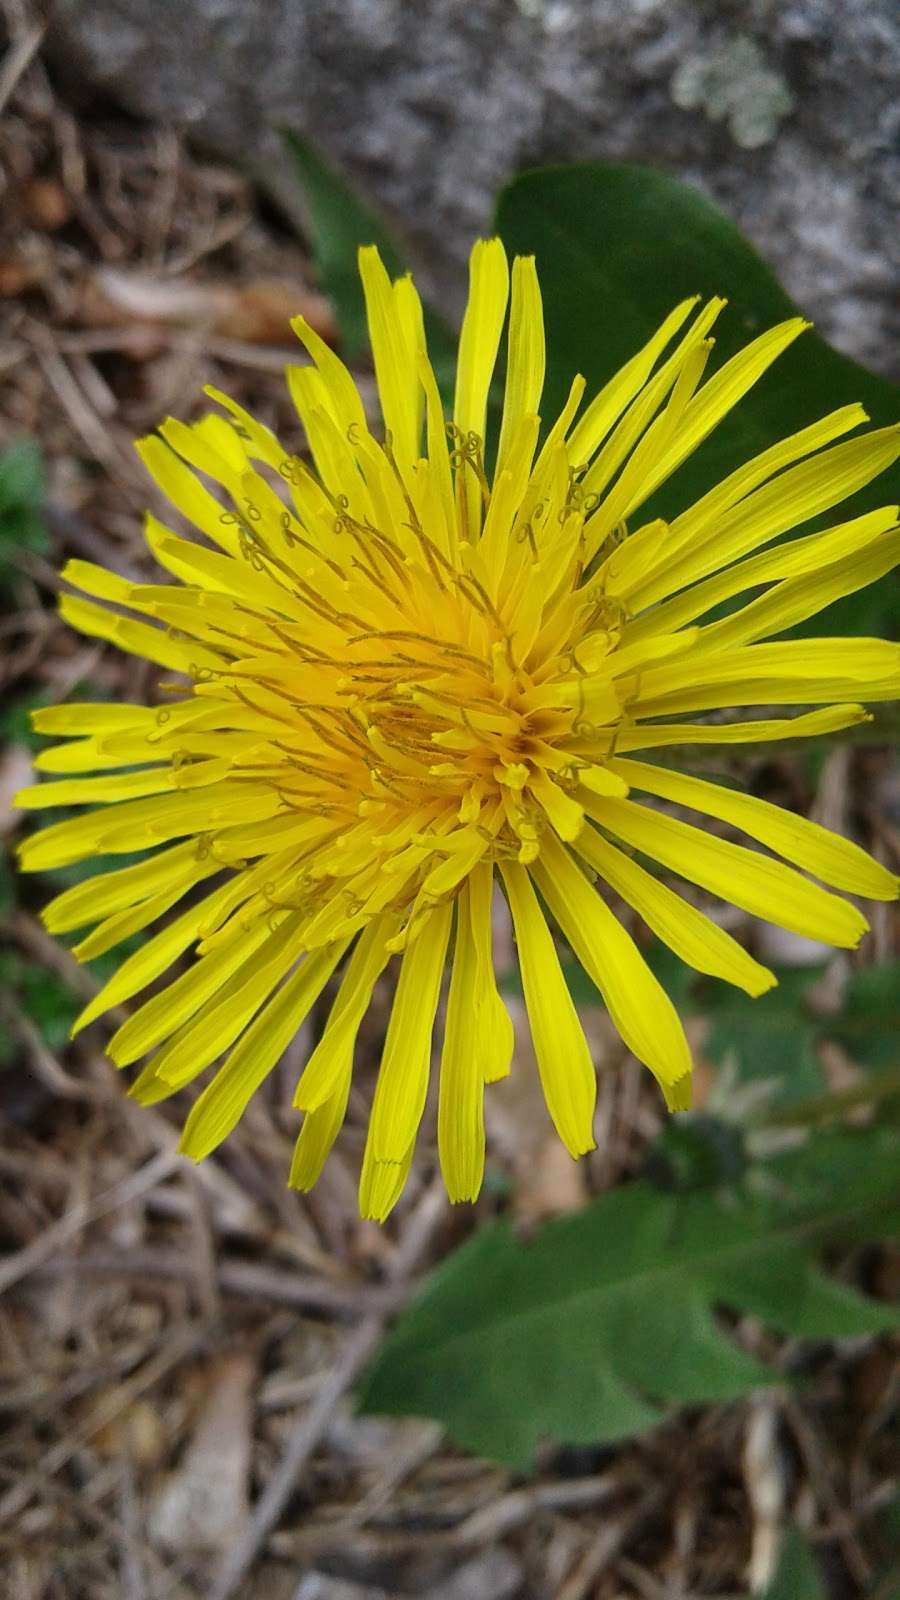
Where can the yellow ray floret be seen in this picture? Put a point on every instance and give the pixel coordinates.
(405, 684)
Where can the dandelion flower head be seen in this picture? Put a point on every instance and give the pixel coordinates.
(418, 666)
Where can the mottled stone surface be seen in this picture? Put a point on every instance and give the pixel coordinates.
(786, 113)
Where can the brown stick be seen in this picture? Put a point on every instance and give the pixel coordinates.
(360, 1345)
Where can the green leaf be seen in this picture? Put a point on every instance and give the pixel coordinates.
(339, 223)
(15, 720)
(51, 1005)
(596, 1328)
(617, 246)
(696, 1151)
(869, 1024)
(798, 1576)
(8, 884)
(21, 498)
(769, 1041)
(44, 997)
(776, 1041)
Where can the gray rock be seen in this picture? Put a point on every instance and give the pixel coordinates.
(786, 114)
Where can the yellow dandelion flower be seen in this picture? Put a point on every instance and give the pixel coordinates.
(400, 681)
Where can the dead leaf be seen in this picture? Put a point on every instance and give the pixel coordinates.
(556, 1184)
(258, 312)
(200, 1506)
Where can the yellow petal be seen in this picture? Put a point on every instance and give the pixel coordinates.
(601, 781)
(195, 446)
(509, 487)
(480, 336)
(396, 360)
(643, 554)
(794, 559)
(193, 564)
(409, 313)
(339, 386)
(185, 491)
(319, 1131)
(638, 655)
(216, 1025)
(836, 861)
(321, 1077)
(261, 443)
(87, 755)
(721, 394)
(224, 1100)
(741, 877)
(526, 358)
(146, 964)
(115, 830)
(638, 1005)
(646, 431)
(405, 1063)
(158, 1017)
(381, 1183)
(120, 786)
(148, 1088)
(97, 581)
(788, 671)
(75, 719)
(809, 725)
(138, 638)
(791, 499)
(607, 406)
(110, 892)
(461, 1101)
(443, 879)
(438, 455)
(479, 342)
(699, 941)
(497, 1038)
(564, 1060)
(328, 443)
(123, 924)
(640, 413)
(565, 814)
(796, 599)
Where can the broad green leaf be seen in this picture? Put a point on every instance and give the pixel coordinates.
(339, 223)
(600, 1325)
(797, 1576)
(617, 246)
